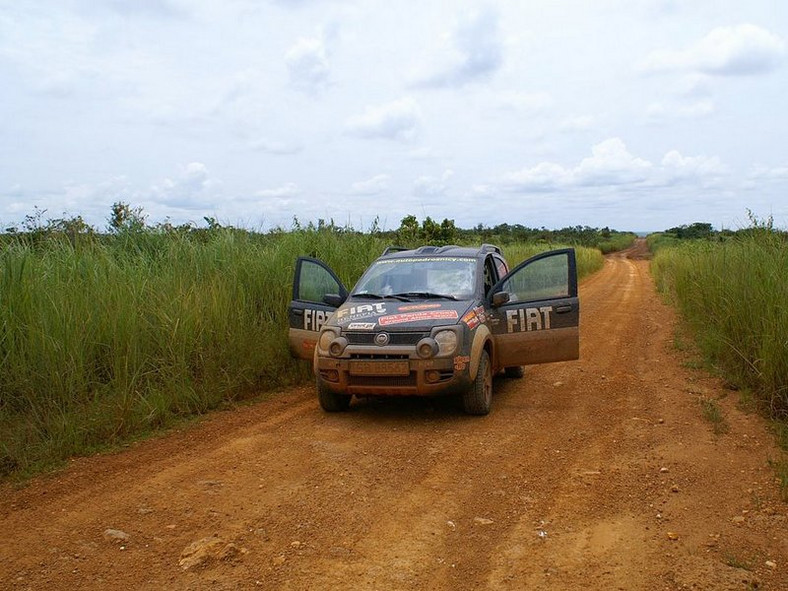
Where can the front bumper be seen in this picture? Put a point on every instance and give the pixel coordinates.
(393, 375)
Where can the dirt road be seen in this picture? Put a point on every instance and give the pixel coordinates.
(595, 474)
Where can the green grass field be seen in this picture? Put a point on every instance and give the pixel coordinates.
(732, 294)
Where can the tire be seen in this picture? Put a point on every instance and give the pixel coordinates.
(331, 401)
(478, 398)
(516, 372)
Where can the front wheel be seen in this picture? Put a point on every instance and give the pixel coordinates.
(331, 401)
(478, 398)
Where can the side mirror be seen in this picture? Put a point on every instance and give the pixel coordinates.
(333, 299)
(500, 298)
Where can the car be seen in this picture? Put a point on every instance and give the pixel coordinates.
(434, 320)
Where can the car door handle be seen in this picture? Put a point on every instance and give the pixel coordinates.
(298, 312)
(563, 309)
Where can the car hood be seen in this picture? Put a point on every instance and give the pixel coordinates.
(390, 314)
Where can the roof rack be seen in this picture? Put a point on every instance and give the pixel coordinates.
(390, 249)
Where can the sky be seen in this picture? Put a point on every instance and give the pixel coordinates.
(633, 114)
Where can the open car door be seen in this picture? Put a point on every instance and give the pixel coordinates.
(317, 293)
(536, 311)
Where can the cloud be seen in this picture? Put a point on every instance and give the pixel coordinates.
(766, 173)
(544, 177)
(676, 168)
(151, 8)
(726, 51)
(274, 147)
(524, 101)
(397, 120)
(308, 65)
(375, 186)
(284, 193)
(430, 186)
(610, 165)
(193, 188)
(678, 110)
(577, 123)
(475, 52)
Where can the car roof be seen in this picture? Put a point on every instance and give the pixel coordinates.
(451, 250)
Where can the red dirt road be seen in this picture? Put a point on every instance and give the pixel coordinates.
(595, 474)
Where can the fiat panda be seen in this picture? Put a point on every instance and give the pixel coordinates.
(435, 320)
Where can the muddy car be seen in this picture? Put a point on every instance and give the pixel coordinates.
(433, 321)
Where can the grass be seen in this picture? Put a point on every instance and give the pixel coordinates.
(105, 338)
(712, 412)
(734, 561)
(731, 293)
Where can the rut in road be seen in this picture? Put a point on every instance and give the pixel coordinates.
(597, 474)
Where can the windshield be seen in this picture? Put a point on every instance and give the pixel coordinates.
(454, 277)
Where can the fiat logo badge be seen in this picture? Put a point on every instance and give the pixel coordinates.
(382, 339)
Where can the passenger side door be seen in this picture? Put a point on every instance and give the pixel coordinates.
(535, 311)
(317, 293)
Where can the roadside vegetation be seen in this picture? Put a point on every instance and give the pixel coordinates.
(107, 336)
(731, 289)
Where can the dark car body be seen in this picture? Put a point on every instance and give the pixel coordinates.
(429, 321)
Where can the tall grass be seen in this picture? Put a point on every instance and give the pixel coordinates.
(732, 294)
(107, 338)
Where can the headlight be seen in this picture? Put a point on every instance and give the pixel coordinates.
(447, 342)
(427, 348)
(326, 337)
(337, 346)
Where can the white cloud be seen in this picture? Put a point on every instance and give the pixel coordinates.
(308, 65)
(375, 186)
(151, 8)
(423, 153)
(523, 101)
(475, 52)
(726, 51)
(431, 186)
(694, 86)
(545, 176)
(283, 193)
(610, 165)
(704, 169)
(577, 123)
(766, 173)
(193, 188)
(679, 110)
(397, 120)
(274, 147)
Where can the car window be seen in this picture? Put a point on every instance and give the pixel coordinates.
(453, 276)
(544, 279)
(315, 281)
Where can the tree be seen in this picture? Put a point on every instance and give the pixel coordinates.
(125, 218)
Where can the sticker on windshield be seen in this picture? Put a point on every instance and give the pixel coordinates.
(418, 316)
(424, 260)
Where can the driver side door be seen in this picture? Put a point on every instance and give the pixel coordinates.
(317, 293)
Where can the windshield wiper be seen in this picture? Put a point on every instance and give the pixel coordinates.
(428, 295)
(377, 296)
